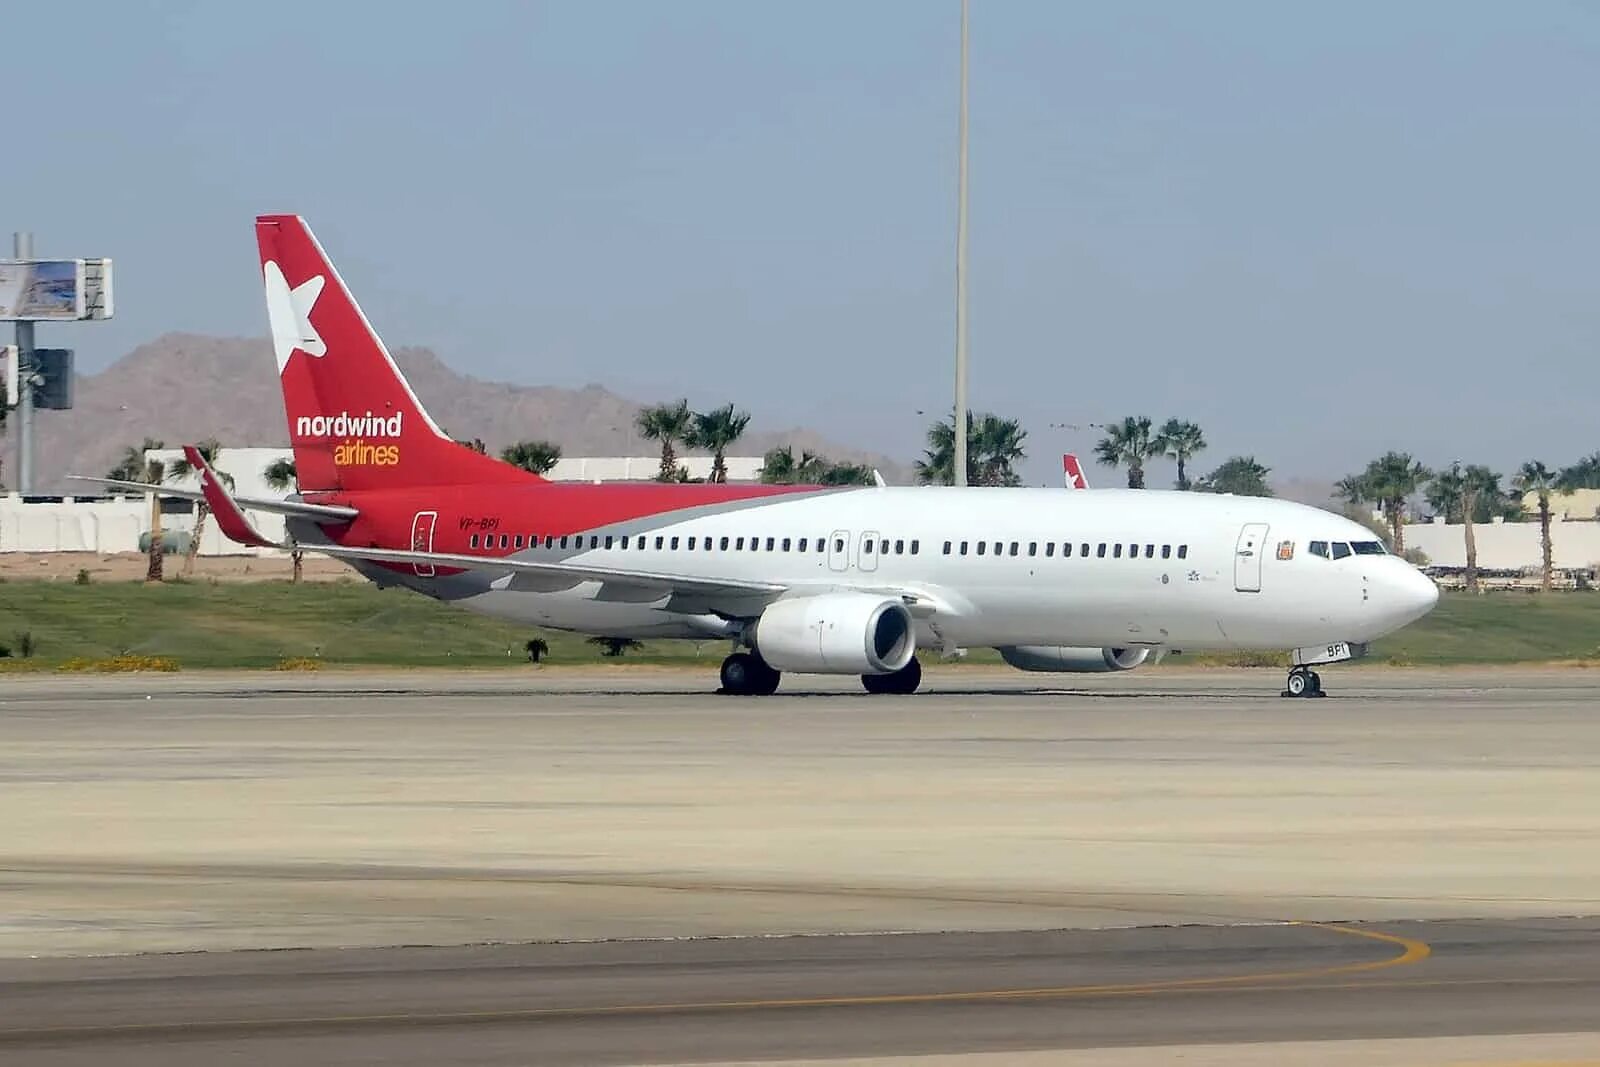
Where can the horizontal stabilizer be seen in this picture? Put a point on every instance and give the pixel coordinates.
(323, 513)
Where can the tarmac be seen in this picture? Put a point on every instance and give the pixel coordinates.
(1025, 847)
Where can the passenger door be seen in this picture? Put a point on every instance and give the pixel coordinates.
(422, 539)
(1247, 557)
(839, 550)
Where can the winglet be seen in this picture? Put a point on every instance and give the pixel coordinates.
(230, 519)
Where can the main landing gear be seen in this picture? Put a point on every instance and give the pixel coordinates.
(1303, 682)
(746, 674)
(902, 682)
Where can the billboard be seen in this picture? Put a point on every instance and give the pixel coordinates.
(55, 290)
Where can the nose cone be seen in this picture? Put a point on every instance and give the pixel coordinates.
(1412, 593)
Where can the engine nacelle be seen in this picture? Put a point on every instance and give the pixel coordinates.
(1061, 660)
(837, 633)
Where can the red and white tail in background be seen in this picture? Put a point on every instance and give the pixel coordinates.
(353, 420)
(1073, 470)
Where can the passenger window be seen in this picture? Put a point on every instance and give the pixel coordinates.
(674, 544)
(838, 544)
(1033, 548)
(518, 542)
(1116, 550)
(1340, 550)
(963, 548)
(1066, 549)
(691, 544)
(472, 542)
(1101, 551)
(723, 544)
(660, 542)
(1013, 548)
(999, 547)
(641, 542)
(594, 540)
(1049, 549)
(755, 544)
(1318, 548)
(1183, 551)
(899, 547)
(608, 540)
(1083, 549)
(549, 540)
(1149, 551)
(1166, 551)
(624, 540)
(1133, 551)
(916, 546)
(786, 544)
(738, 544)
(947, 548)
(983, 546)
(801, 547)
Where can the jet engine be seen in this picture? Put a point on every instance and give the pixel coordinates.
(1062, 660)
(837, 633)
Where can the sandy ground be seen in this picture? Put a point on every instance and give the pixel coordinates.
(127, 566)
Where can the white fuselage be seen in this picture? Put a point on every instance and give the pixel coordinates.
(1186, 571)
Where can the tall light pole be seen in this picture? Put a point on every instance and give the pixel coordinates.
(961, 272)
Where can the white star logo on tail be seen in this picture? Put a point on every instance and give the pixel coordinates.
(289, 313)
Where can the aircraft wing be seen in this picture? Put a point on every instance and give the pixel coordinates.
(568, 574)
(326, 513)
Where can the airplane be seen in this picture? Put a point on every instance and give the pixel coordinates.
(1072, 472)
(799, 579)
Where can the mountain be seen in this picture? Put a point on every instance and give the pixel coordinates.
(186, 387)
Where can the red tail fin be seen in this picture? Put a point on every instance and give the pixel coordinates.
(353, 421)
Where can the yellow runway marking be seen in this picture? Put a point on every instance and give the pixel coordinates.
(1412, 951)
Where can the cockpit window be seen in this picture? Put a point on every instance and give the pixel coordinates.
(1318, 548)
(1369, 548)
(1340, 550)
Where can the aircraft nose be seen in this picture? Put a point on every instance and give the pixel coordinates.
(1414, 594)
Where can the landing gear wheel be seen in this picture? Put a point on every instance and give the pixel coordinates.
(1303, 682)
(902, 682)
(746, 674)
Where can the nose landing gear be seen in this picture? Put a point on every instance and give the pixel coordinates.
(1303, 682)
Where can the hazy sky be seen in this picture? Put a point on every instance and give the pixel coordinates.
(1320, 231)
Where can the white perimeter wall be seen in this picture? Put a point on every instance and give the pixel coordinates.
(1507, 545)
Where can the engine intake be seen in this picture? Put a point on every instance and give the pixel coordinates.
(837, 633)
(1059, 659)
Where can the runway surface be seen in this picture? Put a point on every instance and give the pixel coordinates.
(693, 1001)
(341, 814)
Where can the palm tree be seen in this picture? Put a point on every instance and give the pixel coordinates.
(938, 465)
(1389, 481)
(994, 447)
(1181, 441)
(281, 475)
(1466, 495)
(134, 467)
(780, 467)
(846, 474)
(715, 431)
(1130, 443)
(540, 457)
(667, 423)
(1584, 474)
(180, 469)
(998, 445)
(1535, 477)
(1238, 475)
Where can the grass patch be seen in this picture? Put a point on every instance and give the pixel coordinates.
(277, 625)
